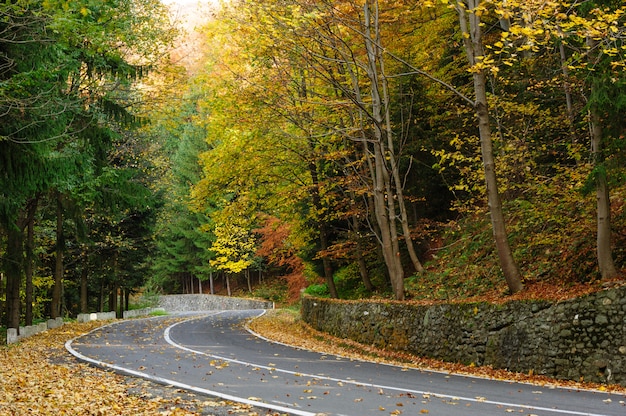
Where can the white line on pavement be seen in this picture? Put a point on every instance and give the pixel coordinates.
(170, 341)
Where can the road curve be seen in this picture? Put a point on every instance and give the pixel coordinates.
(213, 354)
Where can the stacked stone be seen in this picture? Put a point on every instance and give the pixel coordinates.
(583, 338)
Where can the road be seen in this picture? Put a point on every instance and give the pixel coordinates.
(214, 354)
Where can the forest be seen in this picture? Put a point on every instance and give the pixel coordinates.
(428, 150)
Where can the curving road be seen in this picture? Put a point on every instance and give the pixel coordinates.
(214, 354)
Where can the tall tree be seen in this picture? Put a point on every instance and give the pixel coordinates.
(589, 35)
(469, 12)
(62, 64)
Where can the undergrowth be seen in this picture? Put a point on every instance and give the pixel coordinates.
(552, 236)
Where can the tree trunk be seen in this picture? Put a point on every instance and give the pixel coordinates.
(604, 251)
(211, 286)
(30, 247)
(57, 289)
(3, 296)
(126, 300)
(248, 280)
(113, 299)
(606, 264)
(567, 90)
(472, 34)
(382, 221)
(83, 289)
(356, 228)
(386, 223)
(322, 227)
(393, 164)
(13, 265)
(227, 284)
(101, 297)
(383, 196)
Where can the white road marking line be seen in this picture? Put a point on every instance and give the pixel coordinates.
(170, 341)
(168, 382)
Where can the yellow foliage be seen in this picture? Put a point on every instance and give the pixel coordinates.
(234, 246)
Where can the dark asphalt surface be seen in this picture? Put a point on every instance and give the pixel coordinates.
(214, 354)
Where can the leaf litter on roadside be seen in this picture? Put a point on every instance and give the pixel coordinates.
(39, 377)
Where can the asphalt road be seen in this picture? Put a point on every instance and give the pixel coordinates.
(214, 354)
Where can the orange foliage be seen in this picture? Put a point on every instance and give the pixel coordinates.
(275, 248)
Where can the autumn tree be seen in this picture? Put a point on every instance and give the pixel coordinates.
(589, 37)
(471, 26)
(234, 246)
(336, 57)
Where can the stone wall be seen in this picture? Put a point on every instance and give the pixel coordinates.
(135, 313)
(189, 303)
(579, 338)
(96, 316)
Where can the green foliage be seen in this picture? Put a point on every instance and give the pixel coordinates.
(318, 290)
(349, 283)
(41, 295)
(275, 291)
(466, 266)
(66, 109)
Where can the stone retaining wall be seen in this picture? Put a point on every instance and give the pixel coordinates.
(198, 302)
(97, 316)
(140, 312)
(579, 338)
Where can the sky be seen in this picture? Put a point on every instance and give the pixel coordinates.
(192, 12)
(189, 15)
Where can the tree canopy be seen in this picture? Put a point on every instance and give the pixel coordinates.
(353, 148)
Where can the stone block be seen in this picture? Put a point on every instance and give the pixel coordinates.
(12, 337)
(53, 323)
(105, 316)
